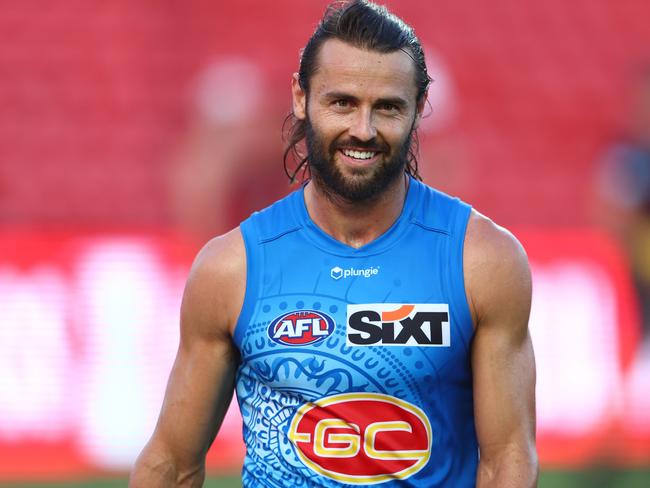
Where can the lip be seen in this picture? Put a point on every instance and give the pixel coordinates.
(358, 162)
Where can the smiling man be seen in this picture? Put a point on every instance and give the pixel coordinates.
(374, 329)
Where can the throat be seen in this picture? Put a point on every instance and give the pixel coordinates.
(356, 224)
(357, 238)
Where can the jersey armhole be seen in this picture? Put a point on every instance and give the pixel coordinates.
(456, 271)
(253, 265)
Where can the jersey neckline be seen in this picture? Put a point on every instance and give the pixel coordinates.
(389, 238)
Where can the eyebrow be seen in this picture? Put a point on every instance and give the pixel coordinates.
(397, 101)
(335, 95)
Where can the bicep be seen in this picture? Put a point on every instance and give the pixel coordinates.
(504, 389)
(198, 393)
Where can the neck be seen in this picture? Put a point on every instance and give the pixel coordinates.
(352, 223)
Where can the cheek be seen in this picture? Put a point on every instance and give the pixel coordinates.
(329, 121)
(395, 132)
(327, 127)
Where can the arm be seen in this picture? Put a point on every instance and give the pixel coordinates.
(498, 283)
(201, 383)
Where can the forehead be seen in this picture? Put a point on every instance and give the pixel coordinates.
(346, 68)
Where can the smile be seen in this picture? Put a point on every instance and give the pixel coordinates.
(359, 154)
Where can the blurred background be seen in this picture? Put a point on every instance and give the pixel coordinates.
(133, 131)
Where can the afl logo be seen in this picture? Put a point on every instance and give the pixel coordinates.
(362, 438)
(301, 327)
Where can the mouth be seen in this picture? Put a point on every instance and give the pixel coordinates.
(359, 157)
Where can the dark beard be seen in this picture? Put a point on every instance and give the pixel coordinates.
(355, 189)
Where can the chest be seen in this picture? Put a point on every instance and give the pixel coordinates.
(325, 323)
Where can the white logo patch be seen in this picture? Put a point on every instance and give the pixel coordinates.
(398, 324)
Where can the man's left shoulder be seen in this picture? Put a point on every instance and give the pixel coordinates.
(493, 243)
(440, 210)
(496, 268)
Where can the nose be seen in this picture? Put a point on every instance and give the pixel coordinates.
(362, 126)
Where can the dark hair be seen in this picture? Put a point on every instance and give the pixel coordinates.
(365, 25)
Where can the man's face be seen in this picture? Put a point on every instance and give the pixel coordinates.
(360, 113)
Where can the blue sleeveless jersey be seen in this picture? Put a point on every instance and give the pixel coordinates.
(355, 363)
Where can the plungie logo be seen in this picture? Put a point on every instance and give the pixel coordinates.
(337, 272)
(301, 327)
(362, 438)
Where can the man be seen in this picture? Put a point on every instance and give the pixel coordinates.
(375, 329)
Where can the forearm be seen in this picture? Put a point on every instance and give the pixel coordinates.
(513, 468)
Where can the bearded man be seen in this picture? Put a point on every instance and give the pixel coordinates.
(374, 329)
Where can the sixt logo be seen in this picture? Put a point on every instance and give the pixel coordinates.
(397, 324)
(362, 438)
(300, 328)
(337, 273)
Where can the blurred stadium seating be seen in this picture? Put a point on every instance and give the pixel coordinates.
(94, 97)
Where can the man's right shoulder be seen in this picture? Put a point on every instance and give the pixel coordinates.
(278, 218)
(222, 255)
(217, 281)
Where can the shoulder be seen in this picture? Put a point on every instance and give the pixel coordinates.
(438, 210)
(280, 217)
(497, 274)
(215, 286)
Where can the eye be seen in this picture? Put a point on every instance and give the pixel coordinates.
(388, 107)
(341, 103)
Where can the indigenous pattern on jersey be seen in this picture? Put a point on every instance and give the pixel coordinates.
(355, 365)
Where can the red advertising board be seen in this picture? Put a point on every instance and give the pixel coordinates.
(89, 330)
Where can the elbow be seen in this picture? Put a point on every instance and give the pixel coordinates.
(151, 469)
(155, 470)
(515, 467)
(530, 469)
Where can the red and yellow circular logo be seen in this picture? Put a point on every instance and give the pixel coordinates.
(301, 328)
(362, 438)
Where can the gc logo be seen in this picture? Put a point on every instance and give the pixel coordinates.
(362, 438)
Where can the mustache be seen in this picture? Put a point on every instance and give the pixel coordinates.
(354, 143)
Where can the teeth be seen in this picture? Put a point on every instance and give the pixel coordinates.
(359, 154)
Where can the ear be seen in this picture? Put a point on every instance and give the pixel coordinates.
(299, 98)
(420, 109)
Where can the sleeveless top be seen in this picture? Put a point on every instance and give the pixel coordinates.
(355, 363)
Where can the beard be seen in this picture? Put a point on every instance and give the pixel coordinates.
(362, 184)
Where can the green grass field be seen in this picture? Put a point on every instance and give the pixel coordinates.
(597, 478)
